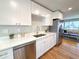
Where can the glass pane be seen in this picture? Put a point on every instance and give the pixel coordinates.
(67, 25)
(71, 25)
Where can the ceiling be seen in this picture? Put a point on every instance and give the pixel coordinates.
(61, 5)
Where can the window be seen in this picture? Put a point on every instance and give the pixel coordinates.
(71, 25)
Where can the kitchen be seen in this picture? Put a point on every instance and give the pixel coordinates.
(21, 17)
(26, 29)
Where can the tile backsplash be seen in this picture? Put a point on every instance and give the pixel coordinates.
(6, 30)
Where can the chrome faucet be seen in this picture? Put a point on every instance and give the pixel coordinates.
(37, 30)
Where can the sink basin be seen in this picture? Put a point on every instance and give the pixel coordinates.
(39, 35)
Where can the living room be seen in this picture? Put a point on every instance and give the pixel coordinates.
(71, 29)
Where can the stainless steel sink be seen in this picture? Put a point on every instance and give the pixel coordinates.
(39, 35)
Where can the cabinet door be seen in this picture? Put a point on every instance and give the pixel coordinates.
(7, 54)
(48, 21)
(47, 43)
(23, 12)
(52, 40)
(38, 10)
(41, 11)
(57, 15)
(14, 12)
(39, 48)
(44, 44)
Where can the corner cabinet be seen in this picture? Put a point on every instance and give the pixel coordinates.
(15, 12)
(43, 12)
(57, 15)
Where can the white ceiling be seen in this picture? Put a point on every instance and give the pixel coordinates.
(62, 5)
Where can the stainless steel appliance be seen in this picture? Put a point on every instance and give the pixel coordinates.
(55, 28)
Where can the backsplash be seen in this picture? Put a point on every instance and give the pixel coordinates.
(6, 30)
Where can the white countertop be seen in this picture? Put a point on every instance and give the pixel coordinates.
(19, 41)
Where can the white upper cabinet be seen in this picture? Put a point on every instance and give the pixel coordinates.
(48, 21)
(57, 15)
(15, 12)
(41, 11)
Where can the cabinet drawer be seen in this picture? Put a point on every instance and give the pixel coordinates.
(6, 54)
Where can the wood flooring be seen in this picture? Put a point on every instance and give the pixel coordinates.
(67, 50)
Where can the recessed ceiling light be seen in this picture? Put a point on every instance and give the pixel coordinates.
(13, 3)
(37, 12)
(69, 8)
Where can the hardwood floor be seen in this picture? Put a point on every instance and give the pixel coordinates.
(67, 50)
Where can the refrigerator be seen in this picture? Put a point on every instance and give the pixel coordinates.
(55, 28)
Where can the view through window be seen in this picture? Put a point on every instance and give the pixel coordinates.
(71, 25)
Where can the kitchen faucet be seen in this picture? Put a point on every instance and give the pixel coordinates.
(37, 30)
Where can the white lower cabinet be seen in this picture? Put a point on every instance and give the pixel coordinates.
(39, 50)
(6, 54)
(44, 44)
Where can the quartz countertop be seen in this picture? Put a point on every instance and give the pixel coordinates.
(28, 38)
